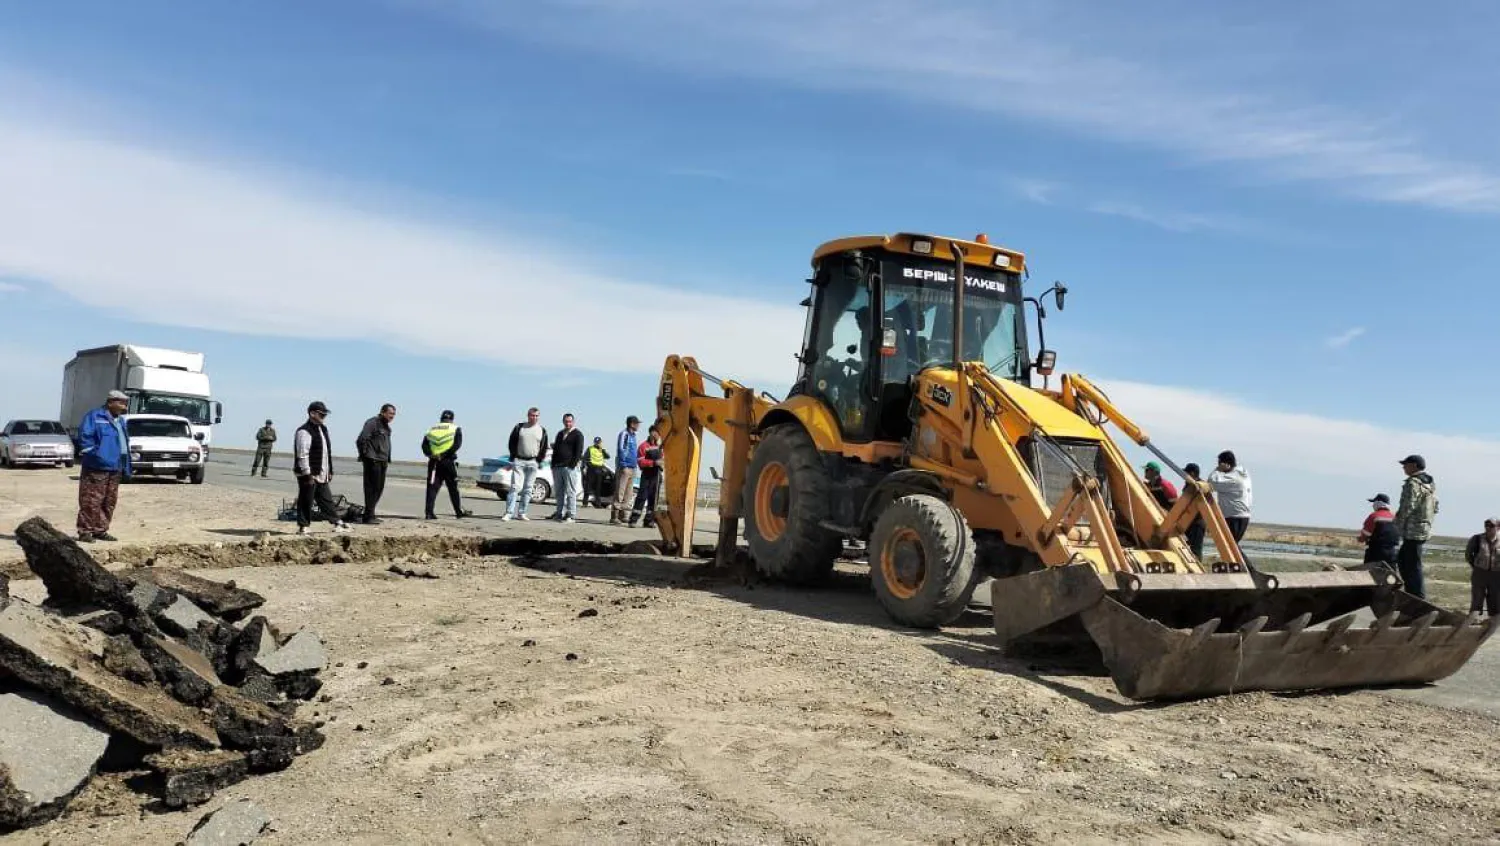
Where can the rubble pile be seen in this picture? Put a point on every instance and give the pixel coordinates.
(149, 670)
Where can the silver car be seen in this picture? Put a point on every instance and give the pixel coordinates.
(35, 442)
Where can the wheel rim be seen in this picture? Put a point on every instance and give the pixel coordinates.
(903, 563)
(772, 477)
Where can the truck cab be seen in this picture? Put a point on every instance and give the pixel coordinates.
(164, 445)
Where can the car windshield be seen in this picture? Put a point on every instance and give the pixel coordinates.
(36, 427)
(147, 428)
(195, 409)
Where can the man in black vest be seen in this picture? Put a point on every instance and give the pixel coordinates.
(313, 466)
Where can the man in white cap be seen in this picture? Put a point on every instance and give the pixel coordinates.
(104, 452)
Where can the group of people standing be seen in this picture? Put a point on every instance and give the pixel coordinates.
(578, 472)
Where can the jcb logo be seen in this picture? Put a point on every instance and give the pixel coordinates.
(940, 394)
(665, 400)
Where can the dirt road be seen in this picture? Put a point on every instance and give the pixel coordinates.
(722, 713)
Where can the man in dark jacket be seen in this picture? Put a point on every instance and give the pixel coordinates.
(1483, 555)
(1380, 535)
(104, 451)
(374, 449)
(440, 445)
(567, 456)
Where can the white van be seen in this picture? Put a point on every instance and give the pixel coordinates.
(164, 445)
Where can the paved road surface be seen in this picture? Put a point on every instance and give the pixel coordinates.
(1475, 688)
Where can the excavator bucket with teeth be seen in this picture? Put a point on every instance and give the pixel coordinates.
(1167, 636)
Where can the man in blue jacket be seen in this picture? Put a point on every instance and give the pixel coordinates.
(104, 452)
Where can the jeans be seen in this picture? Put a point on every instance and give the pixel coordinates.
(522, 473)
(645, 499)
(566, 484)
(1409, 563)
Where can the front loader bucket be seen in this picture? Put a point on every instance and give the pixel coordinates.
(1169, 636)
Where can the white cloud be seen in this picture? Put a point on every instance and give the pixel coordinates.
(1344, 338)
(163, 238)
(11, 288)
(1028, 60)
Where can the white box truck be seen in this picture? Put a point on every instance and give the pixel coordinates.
(158, 381)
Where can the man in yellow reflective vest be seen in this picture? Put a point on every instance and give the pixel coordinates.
(440, 445)
(594, 467)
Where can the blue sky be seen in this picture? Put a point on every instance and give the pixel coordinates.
(1272, 219)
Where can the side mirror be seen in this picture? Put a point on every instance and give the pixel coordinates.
(198, 436)
(714, 472)
(219, 408)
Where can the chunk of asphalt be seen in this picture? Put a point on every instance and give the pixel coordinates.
(182, 616)
(303, 653)
(4, 590)
(235, 824)
(192, 778)
(147, 598)
(222, 600)
(65, 660)
(71, 575)
(47, 754)
(124, 660)
(259, 687)
(182, 670)
(256, 640)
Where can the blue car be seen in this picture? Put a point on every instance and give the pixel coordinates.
(498, 474)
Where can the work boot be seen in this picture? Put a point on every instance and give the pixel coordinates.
(429, 516)
(85, 537)
(104, 536)
(372, 521)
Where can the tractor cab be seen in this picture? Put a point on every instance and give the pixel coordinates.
(882, 309)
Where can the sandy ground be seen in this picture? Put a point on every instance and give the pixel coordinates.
(720, 713)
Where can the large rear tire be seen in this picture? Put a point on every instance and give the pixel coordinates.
(785, 503)
(922, 561)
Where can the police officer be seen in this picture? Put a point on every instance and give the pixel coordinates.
(440, 445)
(265, 438)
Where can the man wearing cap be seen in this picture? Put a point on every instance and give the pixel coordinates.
(265, 438)
(1379, 534)
(1483, 555)
(1419, 506)
(312, 463)
(1163, 491)
(593, 473)
(627, 464)
(104, 452)
(440, 445)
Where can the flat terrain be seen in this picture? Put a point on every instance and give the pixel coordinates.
(723, 713)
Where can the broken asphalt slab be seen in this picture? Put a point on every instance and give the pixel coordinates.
(295, 666)
(181, 669)
(47, 754)
(72, 576)
(64, 660)
(192, 778)
(235, 824)
(220, 599)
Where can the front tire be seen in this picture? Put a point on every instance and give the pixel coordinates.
(922, 561)
(785, 503)
(196, 476)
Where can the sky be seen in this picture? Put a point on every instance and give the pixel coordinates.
(1271, 219)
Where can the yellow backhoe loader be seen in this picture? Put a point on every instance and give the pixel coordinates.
(915, 426)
